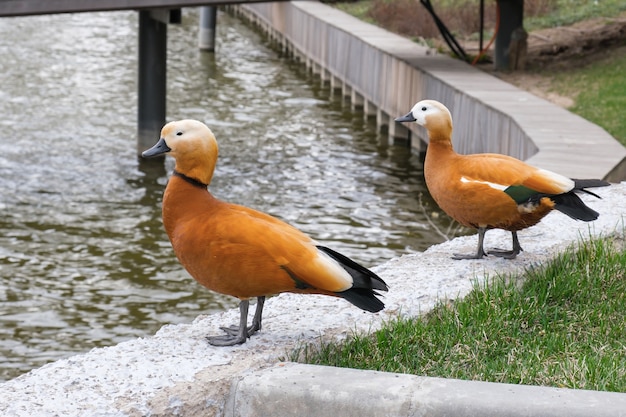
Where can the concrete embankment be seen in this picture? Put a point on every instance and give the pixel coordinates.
(318, 391)
(176, 372)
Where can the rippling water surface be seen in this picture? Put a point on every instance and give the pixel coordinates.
(84, 260)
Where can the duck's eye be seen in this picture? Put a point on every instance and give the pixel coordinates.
(424, 108)
(179, 133)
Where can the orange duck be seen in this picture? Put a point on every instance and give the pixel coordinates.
(492, 191)
(241, 252)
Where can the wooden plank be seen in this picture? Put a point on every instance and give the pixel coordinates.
(10, 8)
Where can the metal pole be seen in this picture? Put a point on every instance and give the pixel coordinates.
(206, 34)
(152, 80)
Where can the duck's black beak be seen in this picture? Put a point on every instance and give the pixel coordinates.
(407, 118)
(159, 149)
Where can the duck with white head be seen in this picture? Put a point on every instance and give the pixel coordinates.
(492, 191)
(238, 251)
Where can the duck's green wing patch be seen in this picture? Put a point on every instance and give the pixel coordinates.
(519, 193)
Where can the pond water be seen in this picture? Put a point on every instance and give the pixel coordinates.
(84, 260)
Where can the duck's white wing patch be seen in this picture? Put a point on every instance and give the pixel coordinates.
(337, 278)
(561, 182)
(491, 184)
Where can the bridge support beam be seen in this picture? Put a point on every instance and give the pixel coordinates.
(206, 34)
(152, 79)
(152, 73)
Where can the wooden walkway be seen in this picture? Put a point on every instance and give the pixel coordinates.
(387, 74)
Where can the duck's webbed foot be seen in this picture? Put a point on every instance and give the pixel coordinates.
(236, 335)
(508, 254)
(480, 252)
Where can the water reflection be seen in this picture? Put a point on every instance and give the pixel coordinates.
(84, 260)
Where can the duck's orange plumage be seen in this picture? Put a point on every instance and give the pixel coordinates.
(487, 191)
(241, 252)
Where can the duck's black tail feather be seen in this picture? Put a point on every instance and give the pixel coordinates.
(580, 185)
(573, 206)
(365, 282)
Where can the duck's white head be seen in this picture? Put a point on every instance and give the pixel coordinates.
(192, 144)
(429, 113)
(434, 116)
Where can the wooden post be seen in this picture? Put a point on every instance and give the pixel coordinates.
(511, 20)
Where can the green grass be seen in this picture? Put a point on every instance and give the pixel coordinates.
(564, 326)
(599, 91)
(568, 12)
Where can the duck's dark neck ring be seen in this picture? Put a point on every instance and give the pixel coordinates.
(190, 180)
